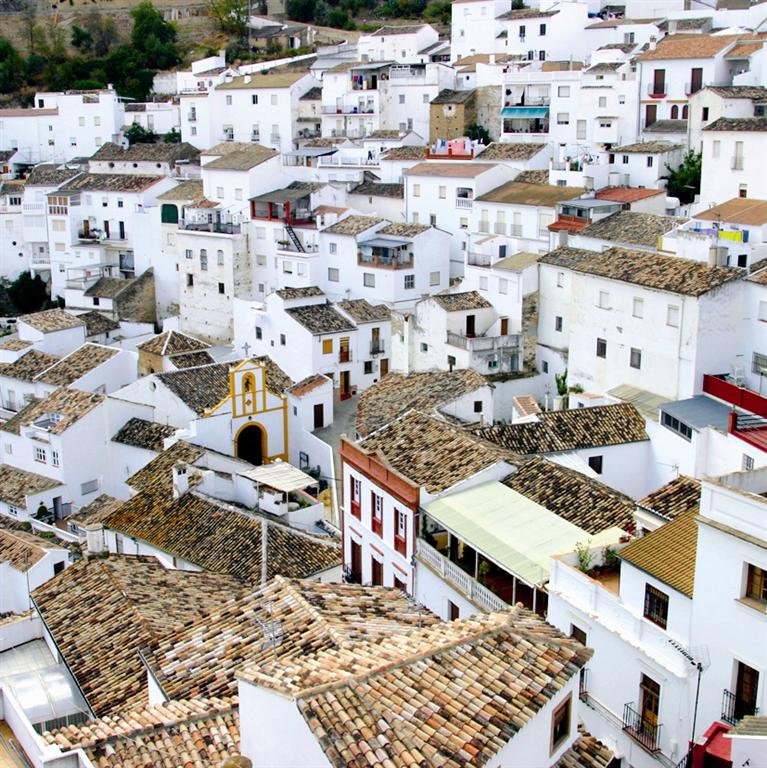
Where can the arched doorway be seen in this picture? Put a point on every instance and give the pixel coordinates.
(250, 441)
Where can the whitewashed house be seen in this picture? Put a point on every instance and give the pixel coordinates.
(712, 102)
(643, 164)
(405, 44)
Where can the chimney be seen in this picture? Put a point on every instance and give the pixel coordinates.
(94, 538)
(672, 26)
(247, 78)
(180, 479)
(492, 58)
(653, 42)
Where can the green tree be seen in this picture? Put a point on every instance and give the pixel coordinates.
(437, 11)
(478, 132)
(153, 36)
(103, 32)
(81, 39)
(684, 182)
(230, 15)
(517, 5)
(300, 10)
(27, 293)
(172, 137)
(12, 68)
(137, 134)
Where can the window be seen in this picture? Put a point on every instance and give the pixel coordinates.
(332, 248)
(333, 274)
(756, 583)
(563, 118)
(656, 606)
(649, 161)
(91, 486)
(414, 217)
(560, 279)
(451, 362)
(55, 458)
(13, 511)
(221, 288)
(274, 99)
(541, 55)
(409, 282)
(672, 423)
(118, 544)
(259, 332)
(327, 346)
(81, 121)
(254, 98)
(503, 285)
(603, 101)
(560, 724)
(747, 462)
(742, 190)
(545, 366)
(368, 280)
(443, 192)
(477, 406)
(635, 359)
(368, 366)
(40, 454)
(602, 348)
(416, 190)
(542, 30)
(376, 513)
(637, 309)
(402, 98)
(189, 280)
(604, 300)
(704, 114)
(220, 193)
(424, 347)
(203, 259)
(228, 101)
(433, 278)
(558, 324)
(595, 463)
(578, 633)
(97, 120)
(563, 91)
(483, 283)
(220, 258)
(625, 160)
(716, 147)
(282, 340)
(672, 316)
(433, 220)
(400, 531)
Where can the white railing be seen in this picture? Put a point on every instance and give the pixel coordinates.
(463, 202)
(458, 578)
(32, 207)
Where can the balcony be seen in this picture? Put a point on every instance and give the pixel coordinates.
(348, 109)
(217, 227)
(192, 116)
(734, 708)
(479, 259)
(458, 578)
(385, 258)
(641, 729)
(737, 163)
(376, 348)
(483, 344)
(750, 427)
(40, 260)
(464, 202)
(657, 90)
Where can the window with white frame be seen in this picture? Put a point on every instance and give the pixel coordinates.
(563, 118)
(635, 358)
(416, 190)
(333, 274)
(563, 91)
(332, 248)
(503, 285)
(220, 257)
(40, 454)
(55, 458)
(434, 278)
(637, 309)
(13, 511)
(368, 280)
(672, 315)
(483, 283)
(604, 300)
(409, 282)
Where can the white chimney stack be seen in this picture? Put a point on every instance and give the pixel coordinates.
(180, 479)
(94, 538)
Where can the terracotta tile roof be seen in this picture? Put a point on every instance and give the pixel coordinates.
(677, 497)
(97, 323)
(522, 193)
(686, 24)
(309, 291)
(221, 538)
(570, 430)
(688, 47)
(237, 156)
(51, 320)
(169, 153)
(198, 732)
(586, 752)
(498, 150)
(404, 29)
(266, 79)
(744, 50)
(406, 153)
(95, 512)
(17, 484)
(738, 124)
(668, 553)
(353, 225)
(108, 287)
(584, 502)
(652, 270)
(430, 452)
(15, 345)
(627, 194)
(667, 126)
(28, 366)
(427, 697)
(60, 410)
(76, 364)
(320, 318)
(157, 473)
(172, 343)
(377, 189)
(47, 175)
(395, 394)
(459, 302)
(519, 14)
(307, 385)
(753, 92)
(533, 177)
(191, 359)
(111, 182)
(739, 210)
(451, 170)
(101, 611)
(361, 311)
(449, 96)
(605, 67)
(141, 433)
(383, 133)
(205, 386)
(18, 551)
(526, 405)
(646, 147)
(403, 230)
(190, 189)
(313, 94)
(202, 658)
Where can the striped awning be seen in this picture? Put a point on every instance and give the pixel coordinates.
(525, 112)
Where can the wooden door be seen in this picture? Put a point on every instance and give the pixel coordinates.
(344, 354)
(319, 416)
(745, 691)
(454, 612)
(650, 692)
(384, 366)
(377, 567)
(86, 228)
(356, 564)
(345, 385)
(106, 228)
(504, 326)
(470, 325)
(650, 114)
(375, 340)
(659, 82)
(696, 79)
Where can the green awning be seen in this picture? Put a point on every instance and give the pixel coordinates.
(511, 530)
(525, 112)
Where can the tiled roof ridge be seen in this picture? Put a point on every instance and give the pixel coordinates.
(75, 351)
(112, 576)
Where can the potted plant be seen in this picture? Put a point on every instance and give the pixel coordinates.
(560, 400)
